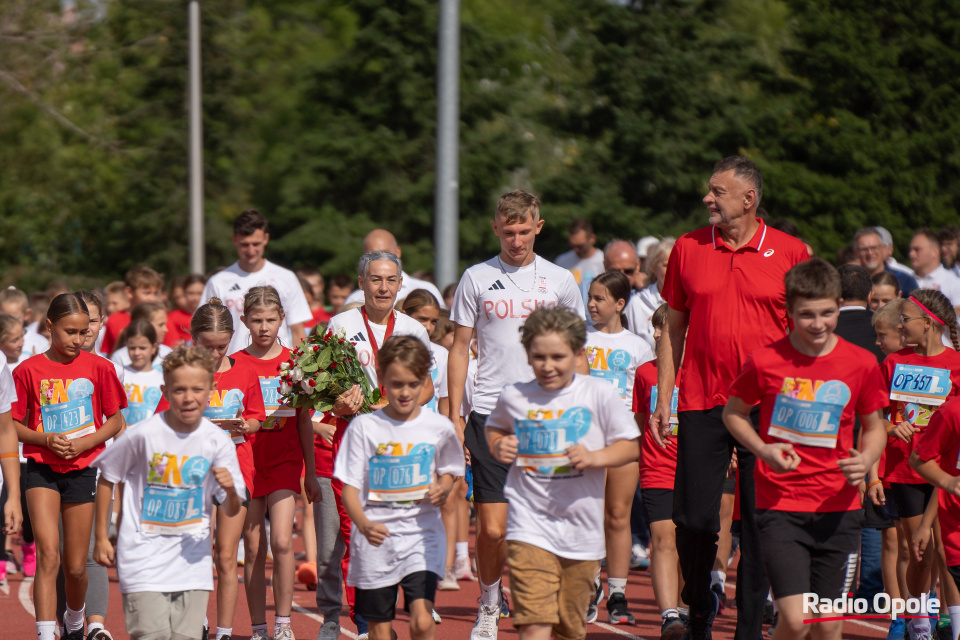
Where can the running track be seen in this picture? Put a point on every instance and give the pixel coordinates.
(457, 608)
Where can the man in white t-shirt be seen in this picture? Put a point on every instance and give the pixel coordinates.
(495, 297)
(925, 259)
(250, 237)
(583, 260)
(383, 240)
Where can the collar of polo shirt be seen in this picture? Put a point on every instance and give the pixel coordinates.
(758, 237)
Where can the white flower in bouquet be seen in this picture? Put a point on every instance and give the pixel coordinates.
(296, 374)
(285, 388)
(284, 366)
(306, 386)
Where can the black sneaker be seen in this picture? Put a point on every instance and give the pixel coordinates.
(718, 589)
(768, 612)
(700, 626)
(593, 609)
(504, 604)
(776, 619)
(206, 633)
(617, 612)
(224, 637)
(74, 635)
(672, 629)
(99, 634)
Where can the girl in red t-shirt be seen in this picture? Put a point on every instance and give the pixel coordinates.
(68, 404)
(282, 447)
(658, 466)
(925, 317)
(236, 405)
(186, 293)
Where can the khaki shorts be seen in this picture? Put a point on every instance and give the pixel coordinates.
(548, 589)
(177, 615)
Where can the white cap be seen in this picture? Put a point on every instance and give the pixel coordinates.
(644, 245)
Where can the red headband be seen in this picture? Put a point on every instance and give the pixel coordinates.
(929, 313)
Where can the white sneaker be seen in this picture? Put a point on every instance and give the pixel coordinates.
(639, 557)
(286, 633)
(259, 635)
(487, 624)
(329, 631)
(461, 569)
(449, 582)
(436, 616)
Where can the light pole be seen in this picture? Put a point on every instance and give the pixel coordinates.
(197, 257)
(446, 213)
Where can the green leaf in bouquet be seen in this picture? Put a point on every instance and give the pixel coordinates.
(310, 367)
(323, 378)
(323, 359)
(323, 405)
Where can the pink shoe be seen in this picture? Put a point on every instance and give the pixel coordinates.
(3, 573)
(29, 563)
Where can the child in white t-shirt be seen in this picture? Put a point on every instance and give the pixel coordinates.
(398, 466)
(141, 382)
(562, 430)
(172, 466)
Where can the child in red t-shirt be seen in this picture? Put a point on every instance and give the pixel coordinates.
(658, 466)
(810, 385)
(141, 284)
(937, 459)
(68, 404)
(236, 405)
(924, 318)
(283, 445)
(185, 293)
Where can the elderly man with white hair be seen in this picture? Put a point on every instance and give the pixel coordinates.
(383, 240)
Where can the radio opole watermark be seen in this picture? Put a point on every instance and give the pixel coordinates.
(881, 605)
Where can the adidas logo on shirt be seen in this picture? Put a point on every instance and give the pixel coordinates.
(236, 287)
(358, 338)
(496, 285)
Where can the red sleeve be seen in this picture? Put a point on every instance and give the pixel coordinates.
(172, 338)
(115, 324)
(673, 291)
(253, 400)
(162, 406)
(19, 408)
(638, 392)
(747, 385)
(873, 393)
(886, 375)
(935, 438)
(112, 396)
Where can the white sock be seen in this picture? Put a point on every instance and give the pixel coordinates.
(46, 629)
(462, 550)
(224, 632)
(954, 621)
(206, 623)
(669, 613)
(73, 620)
(94, 625)
(490, 594)
(717, 577)
(617, 585)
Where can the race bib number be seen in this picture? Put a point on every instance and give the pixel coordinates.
(543, 443)
(815, 424)
(270, 389)
(73, 418)
(674, 405)
(173, 498)
(230, 408)
(921, 385)
(401, 478)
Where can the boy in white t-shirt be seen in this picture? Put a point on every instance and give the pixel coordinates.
(494, 297)
(559, 433)
(173, 466)
(398, 465)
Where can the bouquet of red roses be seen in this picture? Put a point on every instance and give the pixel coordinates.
(322, 368)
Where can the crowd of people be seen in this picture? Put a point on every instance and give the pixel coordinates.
(811, 421)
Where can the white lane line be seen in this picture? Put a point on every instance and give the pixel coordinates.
(319, 618)
(26, 597)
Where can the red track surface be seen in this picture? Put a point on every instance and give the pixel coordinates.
(457, 608)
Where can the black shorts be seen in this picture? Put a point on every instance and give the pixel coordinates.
(955, 574)
(730, 485)
(657, 504)
(911, 499)
(876, 517)
(889, 508)
(380, 605)
(489, 475)
(73, 486)
(810, 552)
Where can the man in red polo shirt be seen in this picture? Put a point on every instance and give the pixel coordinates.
(724, 285)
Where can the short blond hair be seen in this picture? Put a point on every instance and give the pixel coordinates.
(188, 357)
(888, 314)
(515, 206)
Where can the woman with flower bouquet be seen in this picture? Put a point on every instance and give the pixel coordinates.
(330, 380)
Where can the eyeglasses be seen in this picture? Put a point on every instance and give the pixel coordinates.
(904, 319)
(872, 249)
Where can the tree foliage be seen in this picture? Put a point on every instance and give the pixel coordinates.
(322, 115)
